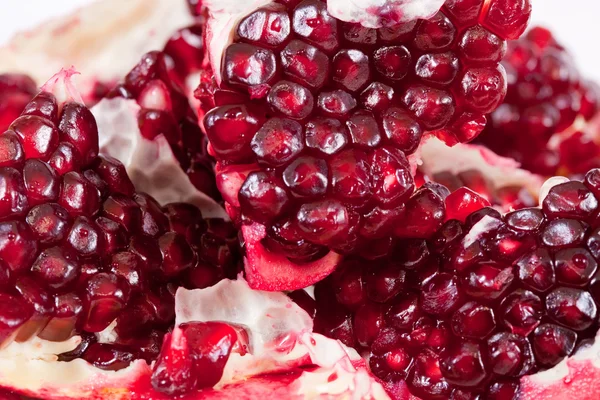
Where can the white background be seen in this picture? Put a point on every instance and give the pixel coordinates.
(575, 23)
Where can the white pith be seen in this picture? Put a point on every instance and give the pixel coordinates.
(365, 11)
(103, 40)
(499, 171)
(280, 335)
(150, 164)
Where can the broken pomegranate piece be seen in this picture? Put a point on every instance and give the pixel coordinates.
(80, 248)
(546, 120)
(193, 357)
(228, 336)
(88, 38)
(322, 115)
(486, 300)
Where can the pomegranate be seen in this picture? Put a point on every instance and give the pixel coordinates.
(464, 302)
(317, 114)
(81, 251)
(551, 103)
(480, 304)
(90, 268)
(233, 327)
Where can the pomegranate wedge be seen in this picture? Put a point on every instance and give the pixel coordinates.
(318, 112)
(80, 249)
(482, 303)
(547, 121)
(248, 355)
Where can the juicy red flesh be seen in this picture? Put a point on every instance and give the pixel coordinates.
(156, 83)
(80, 249)
(468, 310)
(546, 94)
(327, 112)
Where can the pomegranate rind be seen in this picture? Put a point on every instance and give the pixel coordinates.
(273, 272)
(90, 37)
(436, 157)
(151, 164)
(377, 13)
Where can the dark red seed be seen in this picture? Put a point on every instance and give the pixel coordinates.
(104, 296)
(39, 136)
(278, 141)
(57, 268)
(18, 247)
(551, 343)
(13, 200)
(78, 127)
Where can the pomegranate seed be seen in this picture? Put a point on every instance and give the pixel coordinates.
(78, 127)
(461, 203)
(108, 356)
(506, 18)
(105, 297)
(367, 323)
(38, 135)
(440, 295)
(572, 307)
(11, 150)
(536, 270)
(463, 365)
(551, 343)
(278, 141)
(426, 380)
(56, 267)
(172, 374)
(510, 355)
(473, 320)
(17, 245)
(13, 200)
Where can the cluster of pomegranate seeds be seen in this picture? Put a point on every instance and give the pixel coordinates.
(315, 117)
(155, 85)
(16, 90)
(545, 96)
(79, 248)
(486, 299)
(508, 198)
